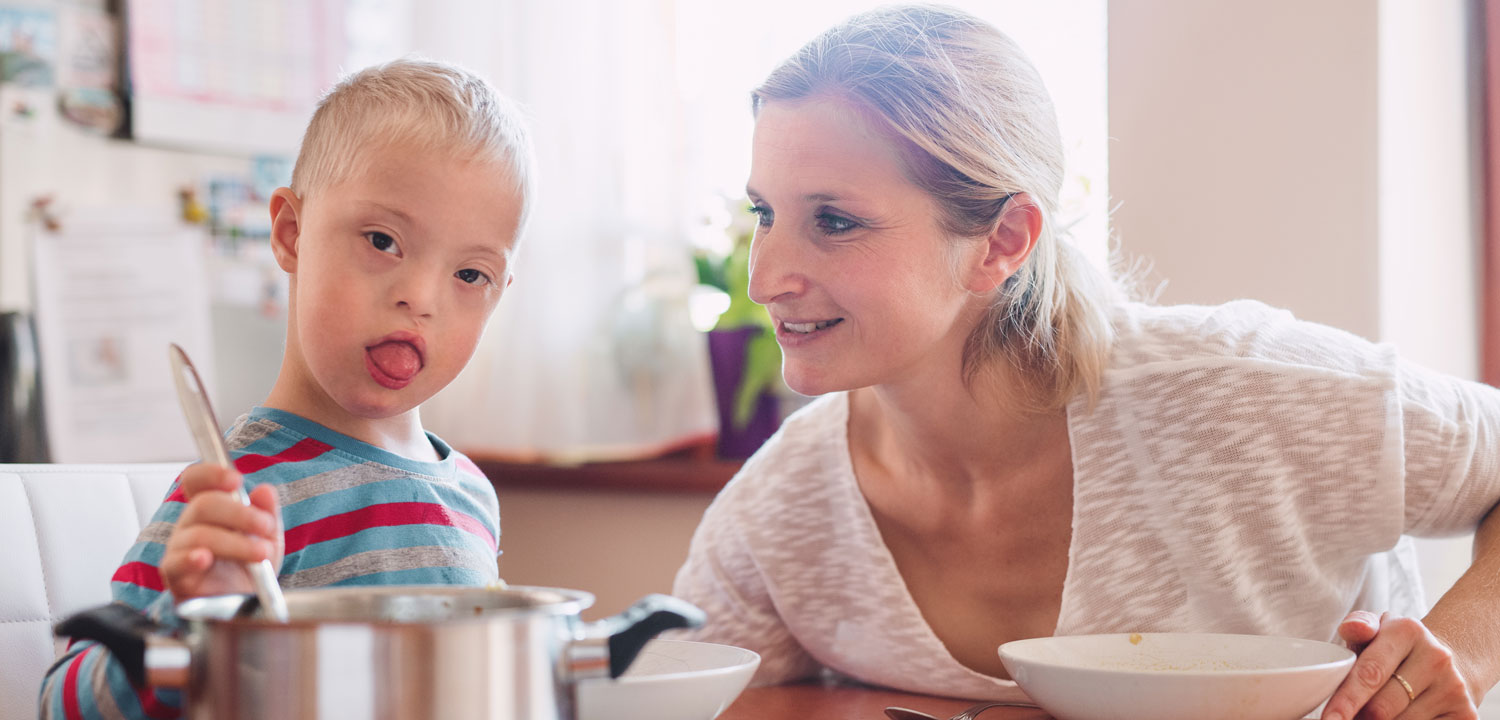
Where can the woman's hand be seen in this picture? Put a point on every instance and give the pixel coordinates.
(216, 535)
(1403, 671)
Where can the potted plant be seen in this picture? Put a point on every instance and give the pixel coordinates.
(742, 350)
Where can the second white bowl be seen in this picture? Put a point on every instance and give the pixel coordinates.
(1176, 676)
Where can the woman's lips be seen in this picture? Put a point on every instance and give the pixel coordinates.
(792, 333)
(804, 328)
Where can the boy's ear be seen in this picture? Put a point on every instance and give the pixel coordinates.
(286, 227)
(1008, 244)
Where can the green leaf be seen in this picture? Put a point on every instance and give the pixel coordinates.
(762, 375)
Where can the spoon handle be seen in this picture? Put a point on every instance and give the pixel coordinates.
(205, 430)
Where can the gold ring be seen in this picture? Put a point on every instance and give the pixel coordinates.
(1410, 694)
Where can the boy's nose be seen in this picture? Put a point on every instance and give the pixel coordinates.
(416, 296)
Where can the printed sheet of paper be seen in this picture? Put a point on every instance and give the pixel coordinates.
(112, 290)
(245, 75)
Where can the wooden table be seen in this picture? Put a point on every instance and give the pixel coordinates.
(836, 701)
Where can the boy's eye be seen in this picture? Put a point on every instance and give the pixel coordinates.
(382, 242)
(472, 276)
(763, 215)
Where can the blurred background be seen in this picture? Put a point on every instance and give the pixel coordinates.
(1326, 157)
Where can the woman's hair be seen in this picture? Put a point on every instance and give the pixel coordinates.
(973, 125)
(411, 102)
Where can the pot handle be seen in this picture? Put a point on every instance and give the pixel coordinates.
(621, 638)
(121, 629)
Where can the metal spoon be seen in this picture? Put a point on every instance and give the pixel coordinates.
(900, 713)
(200, 420)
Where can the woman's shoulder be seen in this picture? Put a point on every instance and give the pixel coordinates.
(1243, 333)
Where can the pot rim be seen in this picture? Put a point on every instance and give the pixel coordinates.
(240, 610)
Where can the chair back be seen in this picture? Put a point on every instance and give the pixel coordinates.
(63, 531)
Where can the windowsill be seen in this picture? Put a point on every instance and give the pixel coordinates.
(689, 470)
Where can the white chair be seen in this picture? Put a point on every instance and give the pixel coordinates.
(63, 531)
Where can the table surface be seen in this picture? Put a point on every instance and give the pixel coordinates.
(835, 701)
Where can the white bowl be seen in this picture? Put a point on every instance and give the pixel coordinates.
(671, 680)
(1176, 676)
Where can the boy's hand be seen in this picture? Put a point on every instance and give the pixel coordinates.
(216, 535)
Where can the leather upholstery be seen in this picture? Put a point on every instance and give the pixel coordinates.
(63, 531)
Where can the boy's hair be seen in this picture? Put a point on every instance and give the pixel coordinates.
(412, 102)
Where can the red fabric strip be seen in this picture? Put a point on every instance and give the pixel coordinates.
(384, 515)
(145, 575)
(305, 449)
(70, 687)
(154, 708)
(176, 495)
(467, 466)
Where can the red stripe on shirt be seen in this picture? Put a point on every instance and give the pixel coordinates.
(70, 687)
(305, 449)
(468, 466)
(145, 575)
(155, 708)
(176, 495)
(383, 515)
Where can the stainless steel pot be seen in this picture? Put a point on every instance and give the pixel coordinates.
(385, 652)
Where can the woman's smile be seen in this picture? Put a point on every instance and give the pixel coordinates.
(797, 333)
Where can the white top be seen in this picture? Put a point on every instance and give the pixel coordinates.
(1243, 472)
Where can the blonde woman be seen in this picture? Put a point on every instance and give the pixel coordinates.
(1004, 447)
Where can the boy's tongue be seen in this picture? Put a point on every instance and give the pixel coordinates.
(396, 359)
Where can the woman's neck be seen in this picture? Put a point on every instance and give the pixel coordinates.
(952, 431)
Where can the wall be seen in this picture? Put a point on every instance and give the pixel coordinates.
(617, 545)
(1316, 156)
(1242, 154)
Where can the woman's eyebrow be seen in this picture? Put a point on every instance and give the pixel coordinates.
(812, 197)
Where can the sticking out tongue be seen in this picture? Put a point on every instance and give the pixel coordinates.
(396, 359)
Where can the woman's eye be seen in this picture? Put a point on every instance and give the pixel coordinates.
(472, 276)
(763, 215)
(835, 224)
(382, 242)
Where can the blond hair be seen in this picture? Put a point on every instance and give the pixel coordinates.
(411, 102)
(974, 125)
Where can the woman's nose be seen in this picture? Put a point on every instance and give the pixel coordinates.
(773, 271)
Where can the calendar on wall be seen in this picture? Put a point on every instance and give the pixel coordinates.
(243, 76)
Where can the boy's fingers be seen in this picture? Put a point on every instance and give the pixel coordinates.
(199, 477)
(264, 497)
(222, 544)
(225, 511)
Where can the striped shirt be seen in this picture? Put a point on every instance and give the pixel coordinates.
(354, 514)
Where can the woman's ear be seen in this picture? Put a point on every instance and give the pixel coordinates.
(1008, 244)
(286, 227)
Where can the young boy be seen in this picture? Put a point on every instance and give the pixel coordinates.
(397, 233)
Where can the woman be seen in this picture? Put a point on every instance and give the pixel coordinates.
(1006, 448)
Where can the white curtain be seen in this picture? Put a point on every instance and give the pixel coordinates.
(591, 354)
(640, 115)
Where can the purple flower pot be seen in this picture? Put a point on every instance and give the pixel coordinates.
(726, 352)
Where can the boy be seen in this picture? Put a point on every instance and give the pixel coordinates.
(397, 233)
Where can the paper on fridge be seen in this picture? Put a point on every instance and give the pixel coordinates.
(113, 288)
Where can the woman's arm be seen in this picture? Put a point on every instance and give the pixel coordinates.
(1441, 666)
(720, 576)
(1445, 663)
